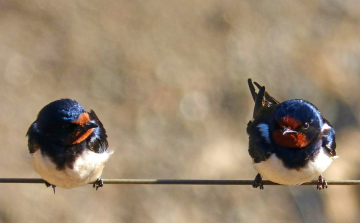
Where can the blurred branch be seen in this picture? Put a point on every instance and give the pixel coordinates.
(182, 182)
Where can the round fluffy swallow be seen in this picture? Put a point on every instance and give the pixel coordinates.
(290, 142)
(68, 145)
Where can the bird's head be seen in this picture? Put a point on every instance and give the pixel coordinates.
(298, 122)
(65, 121)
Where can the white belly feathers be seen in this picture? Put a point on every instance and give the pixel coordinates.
(274, 170)
(87, 168)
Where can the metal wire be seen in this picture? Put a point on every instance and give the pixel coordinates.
(182, 182)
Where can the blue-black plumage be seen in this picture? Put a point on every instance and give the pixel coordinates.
(289, 142)
(68, 145)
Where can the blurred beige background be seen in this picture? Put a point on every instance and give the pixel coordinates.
(168, 81)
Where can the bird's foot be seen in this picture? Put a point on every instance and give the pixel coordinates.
(48, 185)
(258, 182)
(322, 184)
(98, 183)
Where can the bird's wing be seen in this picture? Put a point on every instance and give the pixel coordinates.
(329, 139)
(268, 98)
(261, 98)
(32, 135)
(100, 143)
(259, 148)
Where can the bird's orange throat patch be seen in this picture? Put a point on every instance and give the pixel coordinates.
(291, 140)
(78, 137)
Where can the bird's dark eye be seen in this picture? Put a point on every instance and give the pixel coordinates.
(306, 125)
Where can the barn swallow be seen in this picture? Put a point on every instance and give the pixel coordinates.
(68, 146)
(290, 142)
